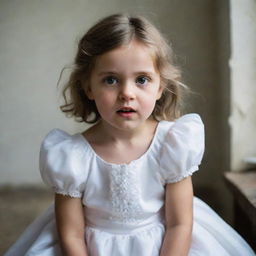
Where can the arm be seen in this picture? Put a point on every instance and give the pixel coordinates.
(179, 218)
(70, 225)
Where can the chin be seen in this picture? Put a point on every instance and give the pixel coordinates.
(130, 125)
(127, 126)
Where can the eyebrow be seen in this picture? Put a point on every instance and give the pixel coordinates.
(106, 73)
(116, 73)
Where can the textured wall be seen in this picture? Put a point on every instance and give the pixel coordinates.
(243, 78)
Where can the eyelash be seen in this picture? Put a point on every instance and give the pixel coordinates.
(148, 79)
(106, 80)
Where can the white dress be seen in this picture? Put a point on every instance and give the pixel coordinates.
(124, 202)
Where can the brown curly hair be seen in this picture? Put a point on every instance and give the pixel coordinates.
(108, 34)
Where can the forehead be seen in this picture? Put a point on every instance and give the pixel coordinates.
(132, 57)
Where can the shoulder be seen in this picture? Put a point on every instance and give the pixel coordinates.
(187, 123)
(187, 127)
(182, 148)
(59, 147)
(61, 139)
(63, 163)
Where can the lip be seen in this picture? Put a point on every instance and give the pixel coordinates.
(126, 114)
(126, 109)
(130, 112)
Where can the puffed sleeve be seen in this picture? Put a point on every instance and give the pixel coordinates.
(62, 164)
(183, 148)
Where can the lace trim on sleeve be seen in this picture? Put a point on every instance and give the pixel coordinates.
(75, 194)
(183, 176)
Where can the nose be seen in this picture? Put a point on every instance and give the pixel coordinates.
(127, 92)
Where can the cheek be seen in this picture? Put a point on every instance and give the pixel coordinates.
(104, 101)
(148, 103)
(149, 100)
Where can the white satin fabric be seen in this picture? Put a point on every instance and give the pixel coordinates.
(124, 202)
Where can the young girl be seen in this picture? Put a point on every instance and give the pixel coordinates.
(123, 187)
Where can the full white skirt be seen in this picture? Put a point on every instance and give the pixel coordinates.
(211, 236)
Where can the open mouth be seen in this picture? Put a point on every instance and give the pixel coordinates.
(126, 110)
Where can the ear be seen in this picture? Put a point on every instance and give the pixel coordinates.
(89, 93)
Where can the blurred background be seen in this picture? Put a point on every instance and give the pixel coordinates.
(214, 43)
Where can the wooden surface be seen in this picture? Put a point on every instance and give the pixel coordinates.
(19, 206)
(243, 187)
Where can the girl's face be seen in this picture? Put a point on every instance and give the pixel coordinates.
(125, 85)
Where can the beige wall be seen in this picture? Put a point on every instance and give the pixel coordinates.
(39, 37)
(243, 79)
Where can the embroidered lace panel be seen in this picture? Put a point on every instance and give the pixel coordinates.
(125, 194)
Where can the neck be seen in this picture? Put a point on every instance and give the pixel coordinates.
(113, 134)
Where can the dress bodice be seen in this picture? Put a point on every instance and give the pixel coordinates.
(124, 203)
(123, 196)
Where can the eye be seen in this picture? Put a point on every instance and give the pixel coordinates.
(142, 80)
(111, 80)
